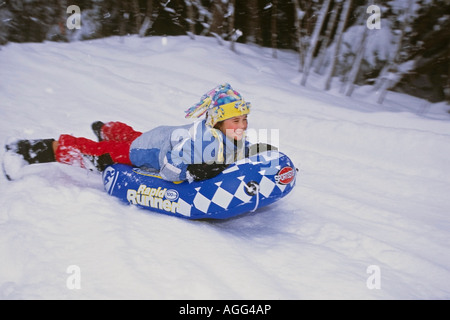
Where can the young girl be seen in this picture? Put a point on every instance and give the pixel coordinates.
(192, 152)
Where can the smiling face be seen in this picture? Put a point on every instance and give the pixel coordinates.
(234, 128)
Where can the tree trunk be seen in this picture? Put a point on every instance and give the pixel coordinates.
(342, 22)
(274, 31)
(150, 17)
(327, 38)
(386, 75)
(217, 18)
(299, 14)
(357, 63)
(124, 17)
(447, 87)
(231, 31)
(190, 18)
(137, 15)
(315, 40)
(253, 22)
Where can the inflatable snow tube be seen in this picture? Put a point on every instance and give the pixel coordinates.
(243, 187)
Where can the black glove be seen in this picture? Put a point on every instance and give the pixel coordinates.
(260, 147)
(205, 171)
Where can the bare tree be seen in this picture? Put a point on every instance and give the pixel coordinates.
(301, 47)
(232, 33)
(326, 40)
(137, 15)
(222, 24)
(447, 87)
(253, 20)
(339, 33)
(274, 31)
(148, 19)
(128, 9)
(315, 39)
(190, 18)
(390, 73)
(357, 63)
(218, 18)
(124, 17)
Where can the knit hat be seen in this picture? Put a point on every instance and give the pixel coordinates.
(219, 104)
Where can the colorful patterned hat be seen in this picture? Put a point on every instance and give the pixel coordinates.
(219, 104)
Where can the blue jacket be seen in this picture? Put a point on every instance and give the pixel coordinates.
(170, 149)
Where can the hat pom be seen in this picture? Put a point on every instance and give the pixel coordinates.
(199, 109)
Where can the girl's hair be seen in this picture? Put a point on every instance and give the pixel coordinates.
(218, 125)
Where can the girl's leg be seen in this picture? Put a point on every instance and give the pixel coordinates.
(81, 151)
(74, 151)
(68, 149)
(119, 132)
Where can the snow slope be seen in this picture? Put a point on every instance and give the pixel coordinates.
(370, 209)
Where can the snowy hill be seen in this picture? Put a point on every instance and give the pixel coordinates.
(368, 219)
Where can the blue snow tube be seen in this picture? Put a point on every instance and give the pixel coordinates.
(243, 187)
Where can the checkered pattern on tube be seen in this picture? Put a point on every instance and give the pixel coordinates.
(231, 192)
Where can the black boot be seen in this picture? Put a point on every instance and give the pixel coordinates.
(34, 151)
(99, 162)
(24, 152)
(97, 128)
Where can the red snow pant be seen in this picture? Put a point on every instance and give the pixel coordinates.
(117, 138)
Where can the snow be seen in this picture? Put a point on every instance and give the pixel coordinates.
(368, 219)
